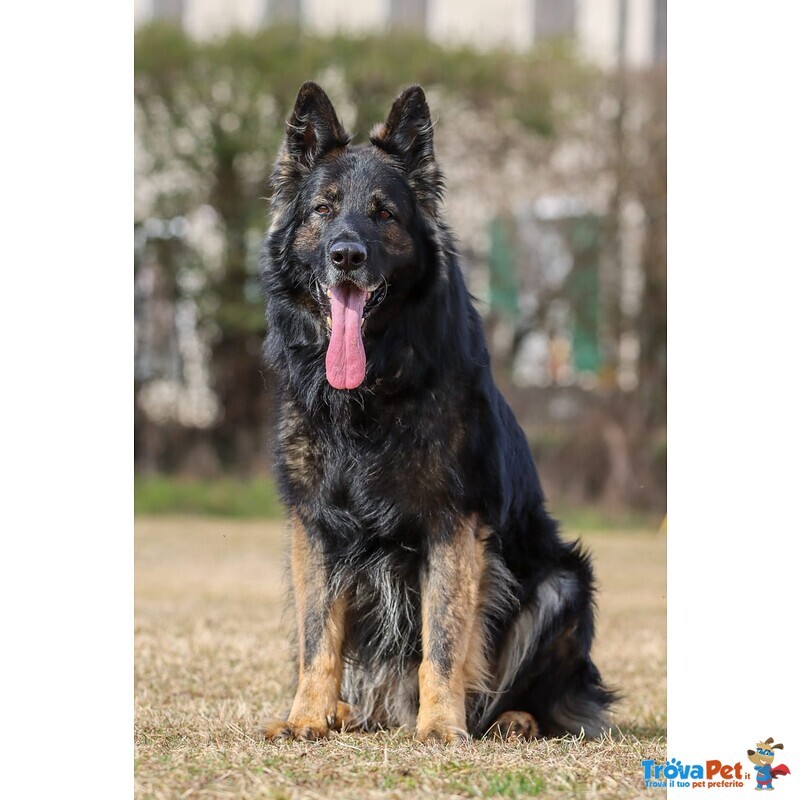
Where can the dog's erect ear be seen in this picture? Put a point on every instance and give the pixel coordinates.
(407, 135)
(408, 131)
(313, 129)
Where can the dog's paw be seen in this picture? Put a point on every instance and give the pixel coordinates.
(514, 725)
(441, 732)
(346, 719)
(304, 730)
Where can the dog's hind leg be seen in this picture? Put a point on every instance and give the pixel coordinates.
(545, 665)
(514, 725)
(450, 598)
(347, 718)
(320, 633)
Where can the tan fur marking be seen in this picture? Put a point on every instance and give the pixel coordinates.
(397, 240)
(317, 695)
(514, 725)
(379, 131)
(450, 598)
(346, 718)
(297, 448)
(564, 646)
(314, 709)
(476, 666)
(308, 235)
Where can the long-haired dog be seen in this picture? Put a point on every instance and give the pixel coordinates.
(430, 586)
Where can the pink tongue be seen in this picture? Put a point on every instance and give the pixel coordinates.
(346, 362)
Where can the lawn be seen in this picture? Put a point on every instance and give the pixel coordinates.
(212, 663)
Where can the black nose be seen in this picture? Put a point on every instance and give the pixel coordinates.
(348, 255)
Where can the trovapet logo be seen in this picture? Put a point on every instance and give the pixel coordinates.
(711, 773)
(716, 774)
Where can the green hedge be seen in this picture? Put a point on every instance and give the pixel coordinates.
(257, 498)
(222, 497)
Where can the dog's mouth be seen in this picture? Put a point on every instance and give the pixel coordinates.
(346, 307)
(322, 294)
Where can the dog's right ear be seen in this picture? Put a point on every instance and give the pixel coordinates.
(312, 130)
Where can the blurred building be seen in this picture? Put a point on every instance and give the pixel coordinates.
(595, 25)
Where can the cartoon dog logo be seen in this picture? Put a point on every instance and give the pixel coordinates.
(762, 757)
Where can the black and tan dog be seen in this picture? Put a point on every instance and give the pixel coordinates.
(431, 587)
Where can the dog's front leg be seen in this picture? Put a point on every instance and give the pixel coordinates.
(320, 633)
(450, 599)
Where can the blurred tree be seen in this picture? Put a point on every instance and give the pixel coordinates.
(210, 117)
(648, 411)
(633, 421)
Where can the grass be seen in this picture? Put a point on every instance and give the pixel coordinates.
(212, 663)
(592, 518)
(221, 497)
(257, 498)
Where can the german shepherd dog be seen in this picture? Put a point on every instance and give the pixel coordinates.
(430, 586)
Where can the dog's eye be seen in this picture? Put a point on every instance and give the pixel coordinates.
(323, 209)
(385, 214)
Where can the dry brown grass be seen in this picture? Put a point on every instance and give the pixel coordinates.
(211, 663)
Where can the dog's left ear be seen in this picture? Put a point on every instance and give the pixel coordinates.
(407, 135)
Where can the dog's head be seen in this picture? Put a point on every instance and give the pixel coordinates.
(765, 752)
(355, 219)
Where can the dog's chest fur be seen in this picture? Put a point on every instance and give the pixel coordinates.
(368, 475)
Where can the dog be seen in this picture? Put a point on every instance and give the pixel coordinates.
(762, 758)
(430, 585)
